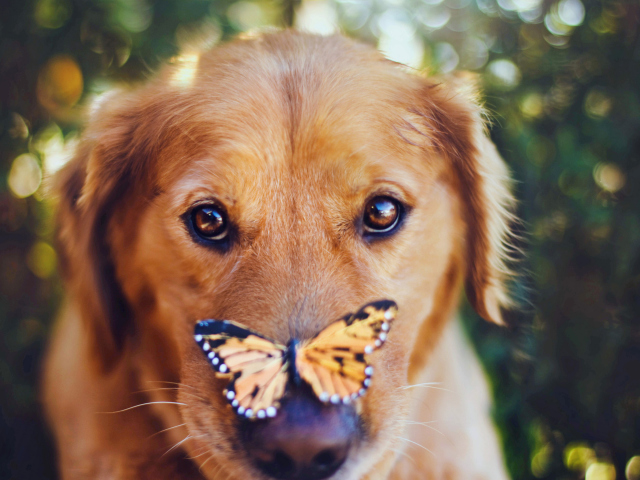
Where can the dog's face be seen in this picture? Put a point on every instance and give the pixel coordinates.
(292, 180)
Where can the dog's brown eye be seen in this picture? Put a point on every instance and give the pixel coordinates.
(210, 222)
(381, 215)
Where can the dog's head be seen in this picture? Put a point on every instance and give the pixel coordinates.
(281, 182)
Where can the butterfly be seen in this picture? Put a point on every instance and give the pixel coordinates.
(333, 362)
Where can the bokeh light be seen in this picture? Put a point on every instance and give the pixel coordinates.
(317, 16)
(446, 57)
(609, 177)
(597, 103)
(54, 150)
(540, 461)
(19, 128)
(600, 471)
(60, 84)
(571, 12)
(434, 17)
(474, 53)
(532, 105)
(198, 36)
(398, 39)
(134, 15)
(25, 175)
(354, 13)
(408, 51)
(52, 13)
(554, 23)
(247, 15)
(42, 259)
(578, 456)
(503, 74)
(632, 472)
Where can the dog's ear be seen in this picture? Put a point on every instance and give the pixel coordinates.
(111, 161)
(457, 124)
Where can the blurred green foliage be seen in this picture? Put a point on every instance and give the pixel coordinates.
(562, 84)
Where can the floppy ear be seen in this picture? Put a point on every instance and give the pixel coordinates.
(111, 161)
(457, 123)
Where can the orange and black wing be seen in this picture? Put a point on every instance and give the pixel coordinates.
(257, 367)
(334, 361)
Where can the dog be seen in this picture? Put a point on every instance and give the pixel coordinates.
(279, 181)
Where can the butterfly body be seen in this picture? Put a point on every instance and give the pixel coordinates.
(333, 362)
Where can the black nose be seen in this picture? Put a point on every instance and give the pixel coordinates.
(305, 441)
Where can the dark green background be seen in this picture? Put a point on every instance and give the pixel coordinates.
(567, 373)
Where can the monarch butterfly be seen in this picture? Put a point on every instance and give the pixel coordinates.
(333, 362)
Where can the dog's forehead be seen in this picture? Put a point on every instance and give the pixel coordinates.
(310, 125)
(290, 122)
(332, 169)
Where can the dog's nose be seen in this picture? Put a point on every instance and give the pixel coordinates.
(305, 441)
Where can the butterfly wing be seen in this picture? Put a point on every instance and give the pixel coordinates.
(334, 363)
(256, 365)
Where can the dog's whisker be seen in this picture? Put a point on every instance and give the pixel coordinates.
(217, 470)
(142, 405)
(166, 429)
(416, 444)
(420, 384)
(427, 425)
(177, 445)
(156, 389)
(170, 388)
(205, 462)
(199, 451)
(205, 451)
(150, 390)
(404, 454)
(171, 383)
(425, 385)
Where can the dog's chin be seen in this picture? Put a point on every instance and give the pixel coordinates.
(223, 460)
(225, 446)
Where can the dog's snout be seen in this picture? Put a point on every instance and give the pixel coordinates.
(315, 455)
(307, 440)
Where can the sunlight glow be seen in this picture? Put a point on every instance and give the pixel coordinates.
(54, 150)
(408, 51)
(317, 16)
(185, 70)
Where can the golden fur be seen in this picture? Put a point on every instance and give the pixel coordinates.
(292, 133)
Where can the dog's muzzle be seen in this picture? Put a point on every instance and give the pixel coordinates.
(306, 441)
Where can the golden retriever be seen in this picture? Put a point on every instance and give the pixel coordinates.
(279, 181)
